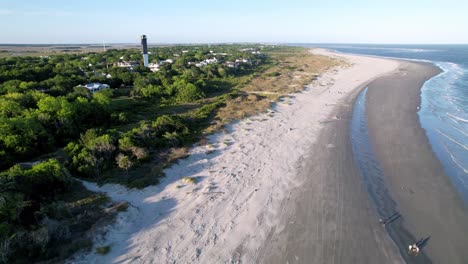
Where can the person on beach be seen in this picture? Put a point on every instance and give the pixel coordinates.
(413, 249)
(416, 247)
(390, 219)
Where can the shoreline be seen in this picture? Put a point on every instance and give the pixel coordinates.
(245, 179)
(331, 219)
(430, 204)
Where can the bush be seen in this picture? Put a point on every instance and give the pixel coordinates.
(273, 74)
(25, 207)
(92, 153)
(42, 181)
(103, 250)
(189, 93)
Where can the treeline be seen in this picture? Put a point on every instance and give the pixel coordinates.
(41, 106)
(59, 74)
(34, 123)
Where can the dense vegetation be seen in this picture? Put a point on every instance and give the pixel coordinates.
(126, 134)
(42, 108)
(44, 213)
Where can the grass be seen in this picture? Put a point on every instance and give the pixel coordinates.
(288, 71)
(189, 180)
(93, 199)
(103, 250)
(35, 51)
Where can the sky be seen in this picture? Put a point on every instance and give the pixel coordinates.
(204, 21)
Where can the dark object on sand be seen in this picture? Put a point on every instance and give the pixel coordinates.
(390, 219)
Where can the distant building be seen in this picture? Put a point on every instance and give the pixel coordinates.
(126, 64)
(242, 61)
(95, 87)
(154, 67)
(231, 64)
(206, 62)
(170, 61)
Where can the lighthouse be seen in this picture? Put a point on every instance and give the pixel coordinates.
(144, 47)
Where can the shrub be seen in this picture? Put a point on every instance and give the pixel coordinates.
(273, 74)
(92, 154)
(124, 162)
(103, 250)
(25, 207)
(189, 93)
(190, 180)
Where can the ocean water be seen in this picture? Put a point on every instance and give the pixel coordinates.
(444, 101)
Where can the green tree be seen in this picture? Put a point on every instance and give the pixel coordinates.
(124, 162)
(189, 93)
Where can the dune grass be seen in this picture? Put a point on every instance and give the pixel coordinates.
(189, 180)
(103, 250)
(289, 70)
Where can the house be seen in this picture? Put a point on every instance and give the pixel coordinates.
(231, 64)
(126, 64)
(154, 67)
(170, 61)
(206, 62)
(95, 87)
(242, 61)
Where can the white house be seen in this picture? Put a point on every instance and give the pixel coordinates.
(154, 67)
(95, 87)
(126, 64)
(170, 61)
(242, 61)
(206, 62)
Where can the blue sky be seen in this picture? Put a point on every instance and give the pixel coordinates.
(202, 21)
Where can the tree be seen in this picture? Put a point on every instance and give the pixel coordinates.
(189, 93)
(124, 162)
(92, 154)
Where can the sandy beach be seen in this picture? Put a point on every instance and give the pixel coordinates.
(278, 187)
(428, 201)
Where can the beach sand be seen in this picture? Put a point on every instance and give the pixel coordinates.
(292, 161)
(330, 218)
(428, 201)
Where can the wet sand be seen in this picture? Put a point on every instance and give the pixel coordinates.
(426, 198)
(329, 218)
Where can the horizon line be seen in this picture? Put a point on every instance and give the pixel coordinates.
(226, 42)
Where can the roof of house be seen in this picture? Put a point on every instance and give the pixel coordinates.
(96, 85)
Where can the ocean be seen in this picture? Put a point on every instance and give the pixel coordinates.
(444, 101)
